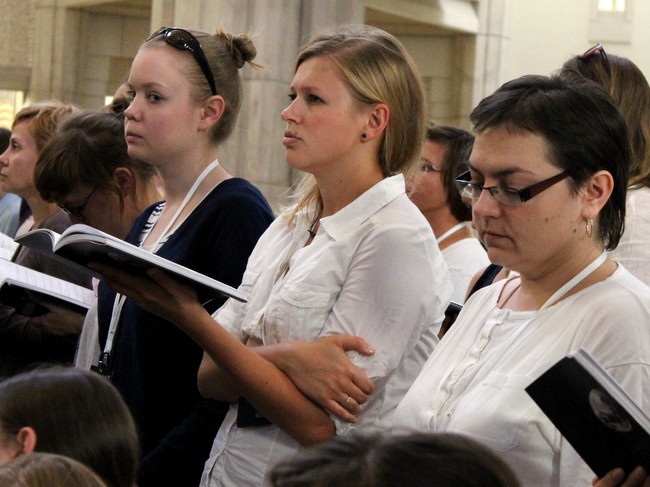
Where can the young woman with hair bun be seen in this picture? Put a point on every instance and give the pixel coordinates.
(185, 94)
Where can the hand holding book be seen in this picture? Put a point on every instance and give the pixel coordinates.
(82, 245)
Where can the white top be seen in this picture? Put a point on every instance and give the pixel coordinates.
(464, 259)
(633, 250)
(474, 381)
(372, 270)
(88, 348)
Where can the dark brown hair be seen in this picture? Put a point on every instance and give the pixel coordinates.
(74, 413)
(415, 460)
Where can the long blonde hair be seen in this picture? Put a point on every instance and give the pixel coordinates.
(377, 69)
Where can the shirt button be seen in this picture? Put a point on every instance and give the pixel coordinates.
(482, 343)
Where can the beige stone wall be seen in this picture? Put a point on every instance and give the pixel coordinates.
(81, 54)
(446, 64)
(16, 43)
(16, 48)
(108, 45)
(569, 28)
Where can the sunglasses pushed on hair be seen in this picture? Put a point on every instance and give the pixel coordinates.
(185, 41)
(597, 50)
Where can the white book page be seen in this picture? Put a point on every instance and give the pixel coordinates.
(7, 247)
(16, 274)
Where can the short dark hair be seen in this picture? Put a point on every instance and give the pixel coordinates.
(414, 460)
(458, 146)
(74, 413)
(583, 130)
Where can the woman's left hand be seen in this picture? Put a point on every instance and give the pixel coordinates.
(324, 373)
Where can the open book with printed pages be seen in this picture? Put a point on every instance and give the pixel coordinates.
(7, 246)
(29, 291)
(591, 410)
(81, 244)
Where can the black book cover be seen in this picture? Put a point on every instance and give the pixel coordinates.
(594, 414)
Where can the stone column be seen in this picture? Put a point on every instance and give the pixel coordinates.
(491, 48)
(55, 54)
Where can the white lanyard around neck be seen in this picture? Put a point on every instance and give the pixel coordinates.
(450, 232)
(577, 279)
(208, 169)
(118, 304)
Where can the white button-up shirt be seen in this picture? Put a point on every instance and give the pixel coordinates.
(373, 270)
(474, 382)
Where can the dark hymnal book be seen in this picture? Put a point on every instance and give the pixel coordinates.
(81, 244)
(591, 410)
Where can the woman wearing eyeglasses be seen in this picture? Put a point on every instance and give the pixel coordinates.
(444, 156)
(548, 174)
(185, 92)
(50, 337)
(86, 170)
(353, 256)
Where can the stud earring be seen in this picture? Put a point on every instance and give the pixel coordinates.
(364, 135)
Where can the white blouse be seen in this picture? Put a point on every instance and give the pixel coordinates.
(373, 270)
(633, 250)
(474, 381)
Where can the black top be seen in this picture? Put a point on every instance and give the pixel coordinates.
(154, 363)
(486, 278)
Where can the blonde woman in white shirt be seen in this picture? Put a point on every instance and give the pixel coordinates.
(353, 257)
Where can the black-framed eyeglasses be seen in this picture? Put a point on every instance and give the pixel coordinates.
(599, 50)
(504, 194)
(185, 41)
(79, 209)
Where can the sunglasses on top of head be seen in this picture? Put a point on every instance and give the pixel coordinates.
(185, 41)
(597, 50)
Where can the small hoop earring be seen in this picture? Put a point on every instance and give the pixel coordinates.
(364, 135)
(590, 227)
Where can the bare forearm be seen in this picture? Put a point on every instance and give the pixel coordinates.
(214, 383)
(261, 382)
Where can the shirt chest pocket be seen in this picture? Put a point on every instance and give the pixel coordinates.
(298, 311)
(495, 412)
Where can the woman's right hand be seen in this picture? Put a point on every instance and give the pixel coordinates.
(616, 478)
(323, 372)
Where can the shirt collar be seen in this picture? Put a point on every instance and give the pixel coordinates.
(362, 208)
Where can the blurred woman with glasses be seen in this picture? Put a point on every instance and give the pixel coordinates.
(548, 175)
(85, 169)
(50, 337)
(432, 189)
(185, 94)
